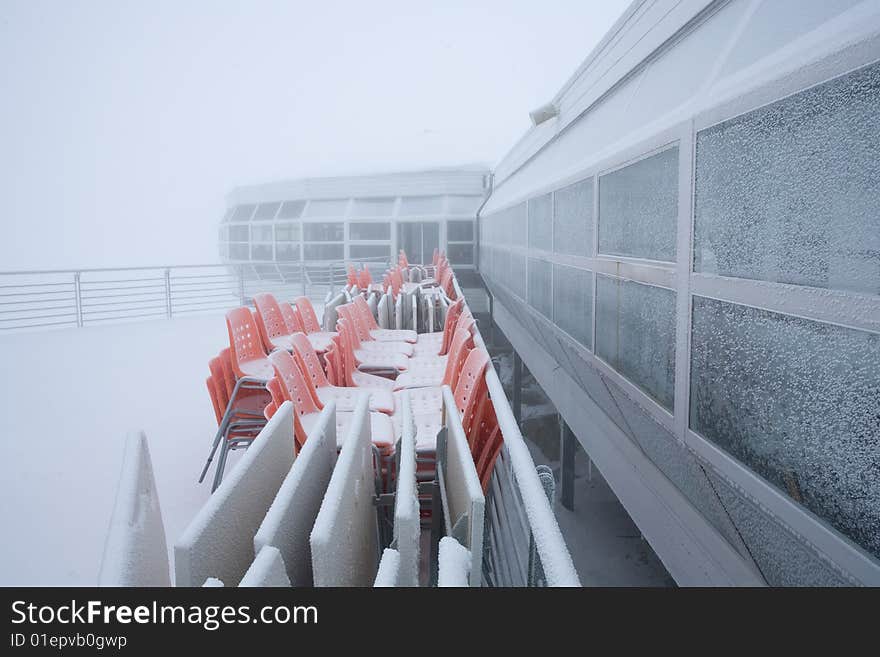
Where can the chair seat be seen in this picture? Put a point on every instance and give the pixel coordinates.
(428, 400)
(282, 342)
(381, 399)
(421, 378)
(380, 361)
(321, 340)
(381, 427)
(394, 335)
(259, 368)
(377, 347)
(367, 380)
(428, 425)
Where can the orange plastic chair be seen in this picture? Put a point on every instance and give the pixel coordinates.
(273, 328)
(246, 348)
(347, 368)
(370, 357)
(323, 392)
(367, 325)
(471, 388)
(307, 315)
(365, 279)
(365, 339)
(352, 277)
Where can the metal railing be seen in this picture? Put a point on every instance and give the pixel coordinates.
(80, 297)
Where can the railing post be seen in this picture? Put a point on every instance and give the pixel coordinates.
(566, 457)
(517, 387)
(241, 284)
(168, 292)
(302, 277)
(78, 299)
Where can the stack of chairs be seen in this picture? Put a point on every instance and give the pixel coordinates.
(279, 352)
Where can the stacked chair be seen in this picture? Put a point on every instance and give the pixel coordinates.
(278, 352)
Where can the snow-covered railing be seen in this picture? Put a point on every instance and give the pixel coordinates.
(518, 500)
(407, 520)
(82, 297)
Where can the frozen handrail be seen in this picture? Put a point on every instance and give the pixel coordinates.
(407, 521)
(558, 567)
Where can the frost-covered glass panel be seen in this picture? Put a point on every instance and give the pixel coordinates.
(373, 207)
(227, 216)
(287, 232)
(266, 211)
(573, 219)
(514, 225)
(778, 22)
(540, 286)
(239, 233)
(635, 334)
(261, 233)
(369, 251)
(261, 252)
(287, 252)
(239, 251)
(541, 222)
(463, 204)
(413, 206)
(517, 280)
(243, 212)
(790, 192)
(460, 231)
(369, 231)
(291, 209)
(331, 232)
(502, 266)
(798, 401)
(573, 302)
(460, 254)
(327, 208)
(324, 251)
(638, 208)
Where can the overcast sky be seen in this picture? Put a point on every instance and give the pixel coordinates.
(123, 124)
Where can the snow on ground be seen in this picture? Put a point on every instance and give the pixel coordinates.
(69, 397)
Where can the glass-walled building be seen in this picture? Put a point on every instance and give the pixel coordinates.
(356, 218)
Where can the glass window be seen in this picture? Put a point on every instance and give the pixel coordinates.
(243, 212)
(517, 279)
(541, 222)
(635, 334)
(287, 252)
(324, 252)
(797, 401)
(513, 225)
(261, 252)
(327, 208)
(261, 233)
(464, 204)
(573, 302)
(369, 251)
(227, 216)
(573, 219)
(369, 231)
(266, 211)
(373, 207)
(333, 232)
(239, 233)
(540, 286)
(460, 254)
(638, 208)
(411, 206)
(239, 251)
(287, 232)
(460, 231)
(291, 209)
(790, 192)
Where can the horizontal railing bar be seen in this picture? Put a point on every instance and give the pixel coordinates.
(121, 280)
(25, 319)
(120, 311)
(160, 292)
(37, 301)
(41, 308)
(222, 281)
(178, 278)
(158, 285)
(41, 325)
(25, 294)
(139, 303)
(194, 302)
(20, 285)
(104, 319)
(218, 295)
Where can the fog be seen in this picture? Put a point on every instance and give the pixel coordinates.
(124, 124)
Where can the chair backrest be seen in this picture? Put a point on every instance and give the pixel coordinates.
(435, 257)
(295, 387)
(212, 391)
(357, 322)
(218, 378)
(334, 367)
(352, 277)
(346, 353)
(365, 278)
(291, 318)
(471, 387)
(402, 260)
(350, 325)
(244, 338)
(449, 326)
(308, 362)
(462, 343)
(228, 373)
(362, 308)
(270, 321)
(307, 315)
